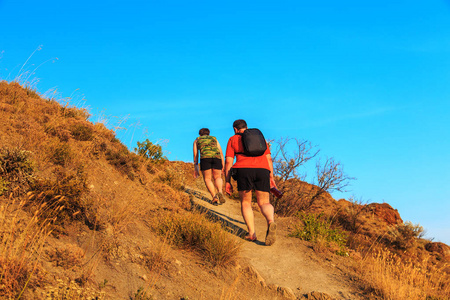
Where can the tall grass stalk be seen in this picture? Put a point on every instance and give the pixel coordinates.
(21, 243)
(393, 278)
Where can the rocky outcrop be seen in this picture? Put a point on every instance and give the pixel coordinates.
(441, 249)
(385, 212)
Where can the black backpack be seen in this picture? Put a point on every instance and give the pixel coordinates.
(254, 142)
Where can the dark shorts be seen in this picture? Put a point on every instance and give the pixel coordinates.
(252, 179)
(210, 163)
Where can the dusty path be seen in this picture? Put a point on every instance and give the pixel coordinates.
(287, 263)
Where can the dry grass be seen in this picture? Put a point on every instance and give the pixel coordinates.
(66, 256)
(70, 290)
(195, 231)
(21, 244)
(393, 278)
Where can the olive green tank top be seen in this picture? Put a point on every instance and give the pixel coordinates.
(208, 147)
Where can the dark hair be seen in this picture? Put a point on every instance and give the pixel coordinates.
(203, 131)
(239, 124)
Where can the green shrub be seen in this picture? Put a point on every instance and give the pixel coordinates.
(150, 151)
(312, 227)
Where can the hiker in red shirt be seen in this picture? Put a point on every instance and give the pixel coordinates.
(251, 173)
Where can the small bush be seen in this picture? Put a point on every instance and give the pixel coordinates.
(67, 256)
(315, 228)
(174, 177)
(16, 167)
(82, 132)
(60, 154)
(155, 259)
(59, 131)
(150, 151)
(60, 200)
(124, 161)
(195, 231)
(405, 235)
(16, 275)
(3, 186)
(74, 112)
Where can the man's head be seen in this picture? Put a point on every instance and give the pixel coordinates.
(239, 124)
(203, 131)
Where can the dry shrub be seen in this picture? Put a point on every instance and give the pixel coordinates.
(405, 236)
(155, 259)
(74, 112)
(104, 132)
(59, 130)
(297, 196)
(60, 200)
(124, 161)
(72, 291)
(67, 256)
(173, 199)
(16, 168)
(60, 154)
(195, 231)
(173, 176)
(389, 276)
(82, 131)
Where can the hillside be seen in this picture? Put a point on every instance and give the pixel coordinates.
(82, 217)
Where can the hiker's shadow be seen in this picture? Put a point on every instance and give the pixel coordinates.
(225, 220)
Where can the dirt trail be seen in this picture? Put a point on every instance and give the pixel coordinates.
(288, 263)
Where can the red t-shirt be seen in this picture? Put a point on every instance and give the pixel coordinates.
(235, 146)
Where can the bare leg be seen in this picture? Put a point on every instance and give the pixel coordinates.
(218, 182)
(265, 206)
(268, 212)
(247, 211)
(208, 182)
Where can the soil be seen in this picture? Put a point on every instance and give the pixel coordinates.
(290, 263)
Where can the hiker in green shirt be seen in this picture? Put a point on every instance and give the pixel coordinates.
(211, 164)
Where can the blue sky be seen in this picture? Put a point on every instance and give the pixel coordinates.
(365, 81)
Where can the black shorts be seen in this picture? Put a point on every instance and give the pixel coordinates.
(252, 179)
(210, 163)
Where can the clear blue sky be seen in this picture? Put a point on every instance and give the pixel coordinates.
(366, 81)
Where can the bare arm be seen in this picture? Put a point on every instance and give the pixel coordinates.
(272, 179)
(228, 165)
(196, 171)
(221, 156)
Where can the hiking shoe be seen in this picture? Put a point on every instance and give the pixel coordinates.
(271, 234)
(221, 198)
(215, 200)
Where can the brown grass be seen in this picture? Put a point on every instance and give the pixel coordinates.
(21, 243)
(392, 278)
(195, 231)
